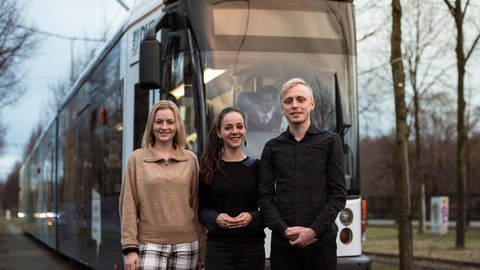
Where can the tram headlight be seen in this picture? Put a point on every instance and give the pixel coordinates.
(346, 235)
(346, 217)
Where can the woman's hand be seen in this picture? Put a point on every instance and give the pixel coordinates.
(131, 261)
(226, 222)
(241, 220)
(223, 221)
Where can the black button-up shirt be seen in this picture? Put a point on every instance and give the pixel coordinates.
(302, 183)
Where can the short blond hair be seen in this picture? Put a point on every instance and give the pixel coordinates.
(291, 83)
(180, 138)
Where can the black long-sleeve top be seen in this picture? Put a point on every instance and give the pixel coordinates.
(232, 192)
(302, 183)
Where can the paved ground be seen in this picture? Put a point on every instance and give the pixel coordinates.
(18, 251)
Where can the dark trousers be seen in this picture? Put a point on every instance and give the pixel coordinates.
(316, 257)
(246, 256)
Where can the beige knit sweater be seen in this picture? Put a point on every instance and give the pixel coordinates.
(158, 203)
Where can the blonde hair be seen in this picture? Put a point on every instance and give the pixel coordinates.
(291, 83)
(180, 138)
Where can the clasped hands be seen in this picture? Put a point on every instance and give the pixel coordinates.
(300, 236)
(227, 222)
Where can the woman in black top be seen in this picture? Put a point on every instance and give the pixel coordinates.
(228, 197)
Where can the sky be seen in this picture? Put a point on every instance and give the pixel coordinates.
(50, 63)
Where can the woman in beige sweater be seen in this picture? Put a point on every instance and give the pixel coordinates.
(159, 198)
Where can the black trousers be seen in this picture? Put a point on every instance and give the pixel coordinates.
(316, 257)
(246, 256)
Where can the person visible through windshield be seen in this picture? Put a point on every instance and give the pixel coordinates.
(265, 117)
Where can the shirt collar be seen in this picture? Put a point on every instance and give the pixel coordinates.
(268, 114)
(150, 155)
(312, 129)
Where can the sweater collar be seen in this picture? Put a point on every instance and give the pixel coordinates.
(151, 156)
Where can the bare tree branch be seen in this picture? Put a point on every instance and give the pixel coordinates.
(474, 45)
(16, 44)
(450, 7)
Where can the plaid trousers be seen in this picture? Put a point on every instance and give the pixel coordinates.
(168, 256)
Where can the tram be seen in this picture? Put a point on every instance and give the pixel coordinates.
(204, 55)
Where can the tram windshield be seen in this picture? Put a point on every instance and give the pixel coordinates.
(245, 56)
(241, 85)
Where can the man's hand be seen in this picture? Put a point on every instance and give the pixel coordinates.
(300, 236)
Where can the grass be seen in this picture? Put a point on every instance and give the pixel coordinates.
(384, 240)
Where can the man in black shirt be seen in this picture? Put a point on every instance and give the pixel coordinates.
(302, 186)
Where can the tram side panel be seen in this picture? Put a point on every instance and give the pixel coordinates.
(90, 158)
(37, 188)
(73, 140)
(46, 207)
(107, 129)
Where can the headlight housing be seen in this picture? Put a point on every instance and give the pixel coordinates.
(346, 217)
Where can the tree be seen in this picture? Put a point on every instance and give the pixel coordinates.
(439, 135)
(423, 49)
(2, 136)
(473, 159)
(77, 66)
(458, 11)
(16, 44)
(10, 190)
(11, 187)
(374, 77)
(401, 141)
(34, 136)
(62, 87)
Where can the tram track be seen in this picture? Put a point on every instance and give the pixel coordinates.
(424, 262)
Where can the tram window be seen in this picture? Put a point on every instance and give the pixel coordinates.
(182, 90)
